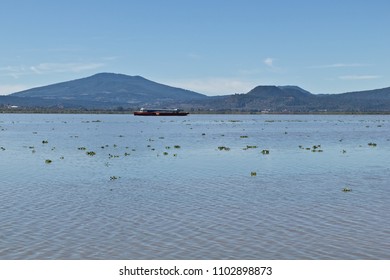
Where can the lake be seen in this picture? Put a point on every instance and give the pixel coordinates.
(194, 187)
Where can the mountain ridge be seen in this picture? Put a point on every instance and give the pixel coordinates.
(111, 90)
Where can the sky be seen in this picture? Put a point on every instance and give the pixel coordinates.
(214, 47)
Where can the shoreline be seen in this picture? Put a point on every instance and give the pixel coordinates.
(122, 112)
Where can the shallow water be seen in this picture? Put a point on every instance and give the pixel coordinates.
(132, 201)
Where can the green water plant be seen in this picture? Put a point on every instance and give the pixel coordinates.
(48, 161)
(253, 173)
(91, 153)
(251, 147)
(113, 156)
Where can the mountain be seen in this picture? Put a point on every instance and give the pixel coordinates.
(295, 99)
(265, 98)
(113, 91)
(107, 89)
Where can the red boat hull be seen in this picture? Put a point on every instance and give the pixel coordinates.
(139, 113)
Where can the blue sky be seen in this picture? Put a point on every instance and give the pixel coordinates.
(214, 47)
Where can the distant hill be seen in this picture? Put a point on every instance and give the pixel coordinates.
(297, 100)
(107, 89)
(110, 91)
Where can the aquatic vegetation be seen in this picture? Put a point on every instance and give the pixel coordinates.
(265, 152)
(165, 153)
(113, 156)
(223, 148)
(175, 155)
(251, 147)
(314, 148)
(177, 146)
(244, 136)
(91, 153)
(253, 173)
(48, 161)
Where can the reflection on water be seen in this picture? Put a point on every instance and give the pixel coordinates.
(159, 187)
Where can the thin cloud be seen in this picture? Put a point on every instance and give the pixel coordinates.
(359, 77)
(8, 89)
(44, 68)
(339, 65)
(214, 86)
(269, 62)
(64, 67)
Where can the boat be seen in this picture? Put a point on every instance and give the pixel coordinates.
(160, 112)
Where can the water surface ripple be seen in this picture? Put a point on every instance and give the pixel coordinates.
(163, 188)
